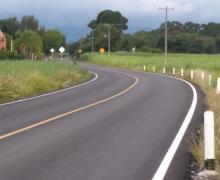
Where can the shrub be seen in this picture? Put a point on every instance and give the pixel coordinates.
(5, 55)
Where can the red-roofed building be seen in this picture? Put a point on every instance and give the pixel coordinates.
(2, 41)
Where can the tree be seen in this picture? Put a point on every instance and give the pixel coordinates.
(101, 37)
(9, 26)
(178, 43)
(217, 43)
(201, 44)
(126, 42)
(211, 29)
(173, 27)
(105, 21)
(110, 17)
(191, 27)
(28, 42)
(53, 39)
(29, 22)
(144, 41)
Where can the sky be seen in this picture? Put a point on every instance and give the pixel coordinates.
(72, 16)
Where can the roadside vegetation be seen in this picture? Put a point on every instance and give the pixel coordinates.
(187, 37)
(209, 64)
(21, 79)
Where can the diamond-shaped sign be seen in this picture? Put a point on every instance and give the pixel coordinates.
(52, 50)
(61, 49)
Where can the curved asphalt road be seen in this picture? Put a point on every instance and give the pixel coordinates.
(124, 138)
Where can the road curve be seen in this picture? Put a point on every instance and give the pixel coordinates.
(118, 127)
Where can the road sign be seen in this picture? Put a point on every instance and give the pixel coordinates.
(52, 50)
(102, 50)
(62, 49)
(80, 51)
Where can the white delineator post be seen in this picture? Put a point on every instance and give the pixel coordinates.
(218, 86)
(210, 79)
(191, 74)
(202, 76)
(182, 72)
(164, 70)
(154, 69)
(174, 71)
(209, 136)
(144, 68)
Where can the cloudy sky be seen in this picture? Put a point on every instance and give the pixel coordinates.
(72, 16)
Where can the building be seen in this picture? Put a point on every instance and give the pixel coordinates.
(2, 41)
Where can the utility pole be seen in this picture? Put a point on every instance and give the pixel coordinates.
(92, 41)
(109, 36)
(81, 41)
(166, 17)
(109, 39)
(11, 45)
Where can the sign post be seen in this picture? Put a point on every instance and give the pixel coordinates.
(52, 51)
(61, 51)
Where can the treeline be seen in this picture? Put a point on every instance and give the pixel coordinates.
(182, 38)
(28, 37)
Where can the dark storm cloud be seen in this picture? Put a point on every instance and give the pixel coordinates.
(72, 16)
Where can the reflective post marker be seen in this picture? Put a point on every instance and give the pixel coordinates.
(218, 86)
(154, 69)
(191, 74)
(209, 140)
(164, 70)
(174, 70)
(182, 72)
(210, 79)
(202, 76)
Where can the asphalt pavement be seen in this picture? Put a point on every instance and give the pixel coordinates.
(118, 127)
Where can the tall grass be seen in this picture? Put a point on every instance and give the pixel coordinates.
(209, 64)
(137, 60)
(20, 79)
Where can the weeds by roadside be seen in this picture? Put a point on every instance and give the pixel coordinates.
(20, 79)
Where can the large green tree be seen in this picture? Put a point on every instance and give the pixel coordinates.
(191, 27)
(28, 42)
(53, 38)
(108, 24)
(9, 26)
(210, 29)
(101, 37)
(29, 22)
(110, 17)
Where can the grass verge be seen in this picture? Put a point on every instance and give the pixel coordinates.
(207, 64)
(21, 79)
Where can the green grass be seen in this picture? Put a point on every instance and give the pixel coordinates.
(209, 64)
(20, 79)
(137, 60)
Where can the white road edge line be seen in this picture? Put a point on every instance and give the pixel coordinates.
(162, 170)
(164, 165)
(55, 92)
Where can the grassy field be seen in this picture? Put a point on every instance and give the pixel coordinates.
(20, 79)
(208, 64)
(137, 60)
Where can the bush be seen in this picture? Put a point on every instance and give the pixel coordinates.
(5, 55)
